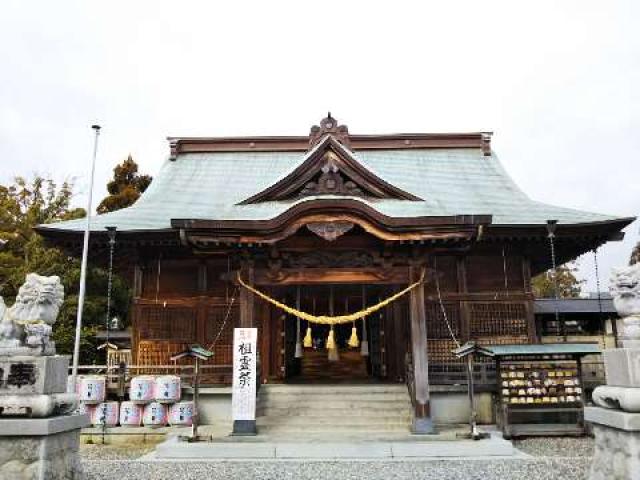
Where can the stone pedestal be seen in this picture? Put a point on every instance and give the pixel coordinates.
(617, 451)
(41, 448)
(622, 367)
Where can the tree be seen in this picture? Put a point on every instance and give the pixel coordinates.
(568, 285)
(24, 205)
(635, 255)
(125, 188)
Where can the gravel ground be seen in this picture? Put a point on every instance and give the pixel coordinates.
(540, 469)
(90, 453)
(556, 447)
(118, 463)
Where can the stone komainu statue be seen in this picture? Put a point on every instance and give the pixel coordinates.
(28, 323)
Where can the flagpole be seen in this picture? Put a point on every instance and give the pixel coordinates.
(83, 268)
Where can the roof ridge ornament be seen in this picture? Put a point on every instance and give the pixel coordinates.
(329, 126)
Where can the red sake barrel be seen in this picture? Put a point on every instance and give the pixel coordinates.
(167, 389)
(181, 414)
(130, 414)
(105, 413)
(142, 389)
(92, 389)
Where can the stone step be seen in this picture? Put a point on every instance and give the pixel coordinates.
(304, 411)
(313, 422)
(355, 397)
(326, 389)
(345, 402)
(371, 428)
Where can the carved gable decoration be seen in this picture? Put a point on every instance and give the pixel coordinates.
(330, 168)
(330, 230)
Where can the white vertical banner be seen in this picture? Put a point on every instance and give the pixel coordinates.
(243, 400)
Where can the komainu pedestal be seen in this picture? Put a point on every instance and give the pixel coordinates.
(39, 435)
(616, 418)
(617, 449)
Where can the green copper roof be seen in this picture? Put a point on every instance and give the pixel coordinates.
(457, 181)
(544, 349)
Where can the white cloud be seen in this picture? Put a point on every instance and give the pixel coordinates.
(554, 80)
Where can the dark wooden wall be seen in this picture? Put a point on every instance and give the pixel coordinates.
(485, 295)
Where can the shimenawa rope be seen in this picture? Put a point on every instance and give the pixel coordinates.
(332, 320)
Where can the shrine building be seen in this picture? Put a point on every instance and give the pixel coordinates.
(329, 224)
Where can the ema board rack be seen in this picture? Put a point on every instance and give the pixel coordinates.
(539, 388)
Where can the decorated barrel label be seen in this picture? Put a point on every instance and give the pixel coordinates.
(92, 389)
(181, 413)
(142, 389)
(167, 389)
(85, 409)
(130, 414)
(105, 413)
(155, 415)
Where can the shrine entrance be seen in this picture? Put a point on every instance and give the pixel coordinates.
(372, 360)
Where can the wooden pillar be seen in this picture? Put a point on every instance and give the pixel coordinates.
(422, 423)
(531, 320)
(202, 277)
(246, 298)
(137, 281)
(465, 314)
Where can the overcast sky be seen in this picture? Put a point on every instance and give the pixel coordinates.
(557, 81)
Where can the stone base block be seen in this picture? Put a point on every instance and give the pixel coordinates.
(30, 375)
(42, 448)
(622, 367)
(617, 449)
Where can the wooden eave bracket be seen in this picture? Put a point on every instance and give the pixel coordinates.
(207, 233)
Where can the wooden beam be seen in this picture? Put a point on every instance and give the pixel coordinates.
(422, 423)
(304, 276)
(246, 298)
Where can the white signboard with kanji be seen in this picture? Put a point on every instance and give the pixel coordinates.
(243, 400)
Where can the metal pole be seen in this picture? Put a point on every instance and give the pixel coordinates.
(472, 400)
(196, 392)
(551, 229)
(83, 268)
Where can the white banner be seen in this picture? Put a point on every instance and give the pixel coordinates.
(243, 400)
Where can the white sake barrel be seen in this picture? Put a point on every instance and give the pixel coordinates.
(130, 414)
(142, 389)
(181, 414)
(154, 415)
(105, 413)
(92, 389)
(86, 409)
(168, 389)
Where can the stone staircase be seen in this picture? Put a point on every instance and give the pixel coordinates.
(333, 409)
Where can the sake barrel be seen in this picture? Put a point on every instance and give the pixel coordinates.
(167, 389)
(92, 389)
(105, 413)
(155, 415)
(142, 389)
(181, 414)
(130, 414)
(86, 409)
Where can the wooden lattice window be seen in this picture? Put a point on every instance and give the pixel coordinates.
(498, 319)
(439, 351)
(175, 323)
(215, 324)
(436, 325)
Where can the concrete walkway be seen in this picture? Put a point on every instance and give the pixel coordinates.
(408, 447)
